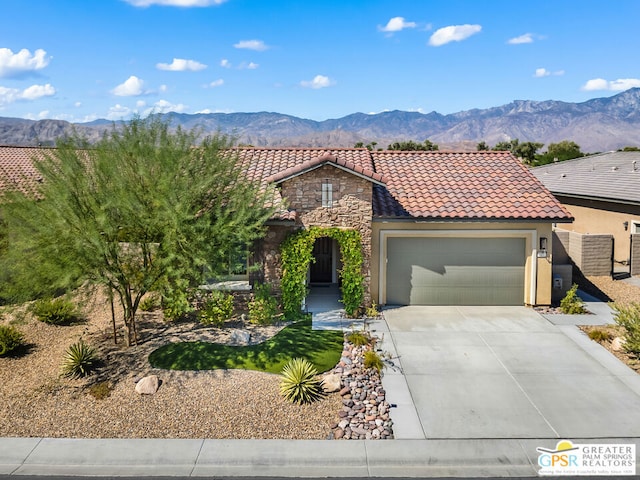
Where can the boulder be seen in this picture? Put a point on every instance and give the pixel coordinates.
(241, 337)
(148, 385)
(331, 383)
(617, 344)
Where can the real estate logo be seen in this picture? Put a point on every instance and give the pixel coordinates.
(570, 458)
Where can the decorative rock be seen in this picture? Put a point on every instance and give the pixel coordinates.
(345, 391)
(241, 337)
(338, 434)
(148, 385)
(331, 383)
(617, 344)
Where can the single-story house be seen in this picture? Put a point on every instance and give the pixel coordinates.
(602, 193)
(437, 227)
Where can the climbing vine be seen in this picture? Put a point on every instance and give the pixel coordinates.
(297, 254)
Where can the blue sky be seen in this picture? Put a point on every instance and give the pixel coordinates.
(81, 60)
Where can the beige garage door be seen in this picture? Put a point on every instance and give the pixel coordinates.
(455, 271)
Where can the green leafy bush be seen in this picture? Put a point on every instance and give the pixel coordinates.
(10, 339)
(373, 360)
(359, 338)
(216, 309)
(176, 304)
(149, 303)
(79, 360)
(55, 311)
(263, 307)
(628, 317)
(299, 382)
(572, 304)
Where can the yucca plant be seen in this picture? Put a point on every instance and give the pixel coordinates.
(10, 339)
(299, 383)
(79, 360)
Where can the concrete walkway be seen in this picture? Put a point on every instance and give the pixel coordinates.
(416, 452)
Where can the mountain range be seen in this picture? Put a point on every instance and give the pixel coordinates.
(599, 124)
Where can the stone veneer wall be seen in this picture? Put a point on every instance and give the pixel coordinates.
(352, 208)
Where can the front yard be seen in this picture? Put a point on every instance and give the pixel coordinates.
(37, 402)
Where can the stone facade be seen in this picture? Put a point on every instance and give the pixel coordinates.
(351, 208)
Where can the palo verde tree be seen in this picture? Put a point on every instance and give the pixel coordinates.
(144, 209)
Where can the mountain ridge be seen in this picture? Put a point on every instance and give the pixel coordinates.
(598, 124)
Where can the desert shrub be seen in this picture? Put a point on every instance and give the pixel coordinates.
(598, 335)
(55, 311)
(263, 307)
(10, 339)
(79, 360)
(628, 317)
(358, 338)
(176, 304)
(372, 311)
(299, 382)
(150, 303)
(216, 309)
(100, 390)
(373, 360)
(572, 304)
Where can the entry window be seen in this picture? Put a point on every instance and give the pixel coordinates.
(635, 228)
(327, 194)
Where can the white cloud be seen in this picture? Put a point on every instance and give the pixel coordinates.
(614, 85)
(37, 91)
(132, 87)
(175, 3)
(208, 110)
(216, 83)
(319, 81)
(526, 38)
(11, 95)
(543, 72)
(257, 45)
(164, 106)
(117, 112)
(77, 104)
(181, 65)
(453, 33)
(397, 24)
(15, 64)
(252, 66)
(163, 88)
(225, 63)
(141, 104)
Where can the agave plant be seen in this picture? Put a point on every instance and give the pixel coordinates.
(10, 339)
(299, 383)
(79, 360)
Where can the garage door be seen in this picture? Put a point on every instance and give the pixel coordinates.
(455, 271)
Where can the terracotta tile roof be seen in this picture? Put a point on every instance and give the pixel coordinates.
(461, 185)
(314, 163)
(262, 163)
(420, 185)
(17, 168)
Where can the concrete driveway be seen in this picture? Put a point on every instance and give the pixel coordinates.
(503, 372)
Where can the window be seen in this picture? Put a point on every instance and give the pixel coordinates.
(635, 227)
(327, 195)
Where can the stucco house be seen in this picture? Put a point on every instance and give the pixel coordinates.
(437, 227)
(602, 193)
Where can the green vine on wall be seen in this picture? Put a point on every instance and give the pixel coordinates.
(297, 254)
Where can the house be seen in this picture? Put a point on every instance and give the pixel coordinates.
(602, 193)
(436, 227)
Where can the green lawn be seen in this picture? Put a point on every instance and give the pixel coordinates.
(322, 348)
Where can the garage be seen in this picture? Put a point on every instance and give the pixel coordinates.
(432, 270)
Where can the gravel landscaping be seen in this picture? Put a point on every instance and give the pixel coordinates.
(37, 402)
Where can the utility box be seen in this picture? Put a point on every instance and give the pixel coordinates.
(562, 276)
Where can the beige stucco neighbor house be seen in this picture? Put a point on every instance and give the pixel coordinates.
(437, 228)
(602, 193)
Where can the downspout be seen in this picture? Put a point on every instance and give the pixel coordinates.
(533, 288)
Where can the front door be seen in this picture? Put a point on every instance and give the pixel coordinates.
(322, 269)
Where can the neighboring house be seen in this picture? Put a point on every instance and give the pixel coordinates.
(437, 228)
(602, 192)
